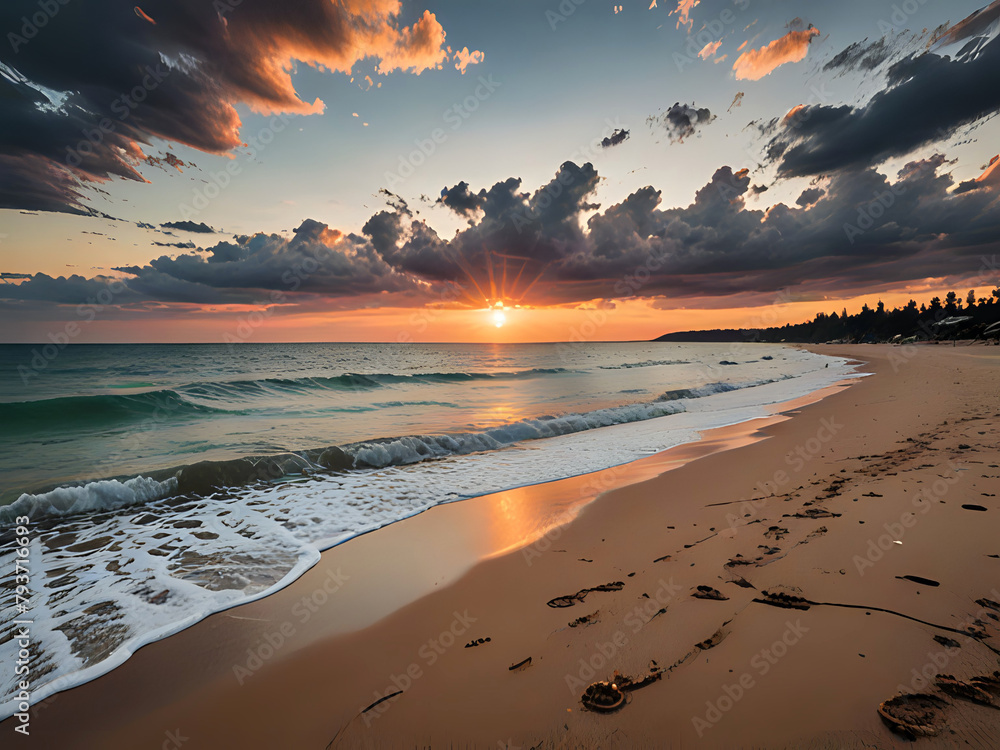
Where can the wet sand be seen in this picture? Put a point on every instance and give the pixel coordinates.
(847, 550)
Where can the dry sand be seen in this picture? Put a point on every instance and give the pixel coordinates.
(836, 502)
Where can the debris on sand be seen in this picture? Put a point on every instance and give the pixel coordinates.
(585, 620)
(918, 579)
(603, 697)
(947, 642)
(520, 665)
(606, 697)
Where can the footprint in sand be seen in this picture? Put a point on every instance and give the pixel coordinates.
(571, 599)
(707, 592)
(990, 682)
(813, 513)
(963, 690)
(785, 601)
(717, 637)
(914, 715)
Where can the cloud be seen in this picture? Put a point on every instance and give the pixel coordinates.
(714, 247)
(554, 245)
(461, 201)
(682, 121)
(926, 99)
(990, 178)
(189, 226)
(619, 136)
(980, 27)
(683, 11)
(863, 56)
(91, 94)
(754, 64)
(709, 50)
(183, 245)
(143, 15)
(463, 59)
(809, 196)
(35, 183)
(317, 261)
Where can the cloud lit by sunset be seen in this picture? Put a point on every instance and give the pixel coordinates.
(307, 177)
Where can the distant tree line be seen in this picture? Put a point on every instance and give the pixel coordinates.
(937, 320)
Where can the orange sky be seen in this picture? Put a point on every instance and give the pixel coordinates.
(631, 320)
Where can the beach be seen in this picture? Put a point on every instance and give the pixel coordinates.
(846, 547)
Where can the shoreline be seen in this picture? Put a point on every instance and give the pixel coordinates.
(205, 705)
(539, 511)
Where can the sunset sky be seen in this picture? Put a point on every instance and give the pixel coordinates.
(488, 171)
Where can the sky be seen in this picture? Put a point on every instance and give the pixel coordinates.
(241, 170)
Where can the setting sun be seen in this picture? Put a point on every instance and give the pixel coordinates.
(499, 318)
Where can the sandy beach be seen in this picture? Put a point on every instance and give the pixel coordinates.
(775, 583)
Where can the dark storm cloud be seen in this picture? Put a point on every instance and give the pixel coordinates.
(555, 245)
(681, 121)
(87, 91)
(460, 200)
(189, 226)
(927, 98)
(316, 261)
(619, 136)
(809, 196)
(861, 228)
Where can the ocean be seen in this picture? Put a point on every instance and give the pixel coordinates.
(164, 483)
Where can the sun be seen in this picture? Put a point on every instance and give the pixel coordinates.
(499, 316)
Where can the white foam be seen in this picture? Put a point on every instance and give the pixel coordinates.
(108, 494)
